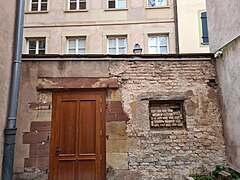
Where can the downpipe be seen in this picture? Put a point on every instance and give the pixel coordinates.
(10, 130)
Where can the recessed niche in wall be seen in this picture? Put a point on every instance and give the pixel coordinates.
(166, 114)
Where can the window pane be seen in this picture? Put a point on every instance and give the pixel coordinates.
(153, 49)
(73, 5)
(112, 42)
(81, 51)
(72, 51)
(43, 6)
(32, 52)
(41, 44)
(82, 5)
(81, 43)
(152, 41)
(72, 44)
(163, 40)
(44, 1)
(41, 52)
(34, 1)
(112, 51)
(122, 50)
(163, 50)
(161, 2)
(32, 44)
(111, 4)
(151, 3)
(121, 4)
(121, 42)
(34, 7)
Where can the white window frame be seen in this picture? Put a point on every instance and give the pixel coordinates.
(37, 44)
(157, 4)
(116, 4)
(39, 5)
(158, 42)
(76, 43)
(117, 44)
(77, 7)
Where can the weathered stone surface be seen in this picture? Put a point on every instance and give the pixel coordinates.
(123, 175)
(73, 69)
(132, 145)
(117, 160)
(42, 115)
(116, 130)
(76, 83)
(113, 95)
(122, 146)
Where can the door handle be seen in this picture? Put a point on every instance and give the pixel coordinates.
(58, 151)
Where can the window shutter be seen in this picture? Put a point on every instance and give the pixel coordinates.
(204, 28)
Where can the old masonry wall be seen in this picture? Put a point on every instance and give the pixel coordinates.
(163, 119)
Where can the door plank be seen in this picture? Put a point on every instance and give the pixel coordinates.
(87, 127)
(67, 130)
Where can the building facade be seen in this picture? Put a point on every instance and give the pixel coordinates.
(192, 23)
(93, 27)
(114, 27)
(225, 43)
(154, 116)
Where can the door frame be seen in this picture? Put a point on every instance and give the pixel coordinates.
(100, 92)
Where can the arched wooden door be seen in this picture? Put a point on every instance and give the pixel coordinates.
(78, 136)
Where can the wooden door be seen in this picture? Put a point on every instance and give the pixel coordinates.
(78, 136)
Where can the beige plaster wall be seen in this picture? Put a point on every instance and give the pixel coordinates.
(97, 36)
(190, 27)
(97, 22)
(7, 19)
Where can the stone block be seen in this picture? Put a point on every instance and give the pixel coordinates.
(117, 160)
(114, 95)
(116, 130)
(42, 115)
(122, 146)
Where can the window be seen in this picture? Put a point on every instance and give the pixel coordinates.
(117, 45)
(158, 44)
(38, 5)
(166, 114)
(204, 28)
(116, 4)
(156, 3)
(36, 46)
(76, 45)
(76, 4)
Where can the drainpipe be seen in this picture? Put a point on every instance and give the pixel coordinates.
(176, 26)
(10, 130)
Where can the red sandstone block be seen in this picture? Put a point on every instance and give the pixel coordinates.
(33, 138)
(40, 126)
(115, 107)
(117, 117)
(39, 150)
(40, 106)
(41, 163)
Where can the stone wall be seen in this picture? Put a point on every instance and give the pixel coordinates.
(166, 154)
(134, 149)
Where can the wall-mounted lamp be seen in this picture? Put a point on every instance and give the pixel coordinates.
(137, 49)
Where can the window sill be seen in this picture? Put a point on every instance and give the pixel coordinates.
(36, 12)
(76, 11)
(158, 7)
(116, 9)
